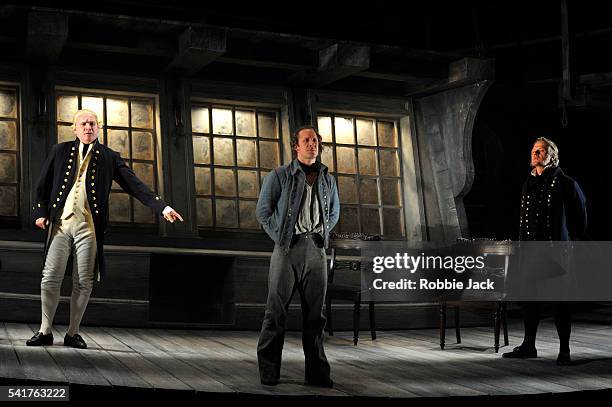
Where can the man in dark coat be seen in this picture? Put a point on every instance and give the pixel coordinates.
(553, 208)
(71, 198)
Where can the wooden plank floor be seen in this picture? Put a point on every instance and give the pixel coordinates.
(399, 364)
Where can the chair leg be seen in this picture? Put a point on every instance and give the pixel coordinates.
(356, 310)
(372, 321)
(457, 325)
(442, 324)
(505, 322)
(330, 329)
(497, 322)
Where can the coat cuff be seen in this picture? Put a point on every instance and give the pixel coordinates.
(39, 210)
(158, 205)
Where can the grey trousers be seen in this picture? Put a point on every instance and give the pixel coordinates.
(74, 234)
(302, 269)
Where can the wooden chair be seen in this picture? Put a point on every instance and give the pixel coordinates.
(498, 264)
(346, 293)
(499, 321)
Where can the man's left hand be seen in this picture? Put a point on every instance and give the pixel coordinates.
(171, 215)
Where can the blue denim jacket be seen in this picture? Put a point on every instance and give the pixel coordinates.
(278, 206)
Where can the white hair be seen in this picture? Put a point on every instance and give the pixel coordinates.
(82, 112)
(553, 150)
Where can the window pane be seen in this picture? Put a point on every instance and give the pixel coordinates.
(389, 163)
(119, 208)
(386, 134)
(365, 132)
(269, 154)
(201, 150)
(95, 104)
(8, 135)
(344, 130)
(8, 103)
(367, 161)
(347, 190)
(9, 163)
(119, 141)
(327, 157)
(247, 215)
(245, 123)
(393, 222)
(348, 221)
(247, 153)
(199, 119)
(204, 211)
(8, 167)
(368, 191)
(142, 114)
(117, 112)
(142, 145)
(145, 173)
(247, 184)
(238, 144)
(370, 221)
(226, 213)
(65, 133)
(67, 106)
(390, 192)
(224, 151)
(346, 160)
(142, 214)
(224, 182)
(267, 125)
(8, 201)
(202, 180)
(222, 121)
(325, 128)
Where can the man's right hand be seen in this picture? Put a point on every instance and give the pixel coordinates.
(41, 223)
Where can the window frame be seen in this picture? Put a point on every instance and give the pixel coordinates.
(211, 136)
(399, 110)
(249, 97)
(15, 221)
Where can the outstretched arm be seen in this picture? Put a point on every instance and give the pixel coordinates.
(131, 184)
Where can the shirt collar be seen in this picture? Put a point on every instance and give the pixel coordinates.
(546, 168)
(80, 146)
(295, 167)
(83, 147)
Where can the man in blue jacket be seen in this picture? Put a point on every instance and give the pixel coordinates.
(298, 206)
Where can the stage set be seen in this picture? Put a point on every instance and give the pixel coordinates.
(407, 364)
(424, 122)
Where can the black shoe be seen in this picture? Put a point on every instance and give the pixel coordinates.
(75, 341)
(40, 339)
(269, 382)
(521, 352)
(327, 382)
(564, 359)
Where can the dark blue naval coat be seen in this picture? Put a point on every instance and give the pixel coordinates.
(105, 166)
(553, 207)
